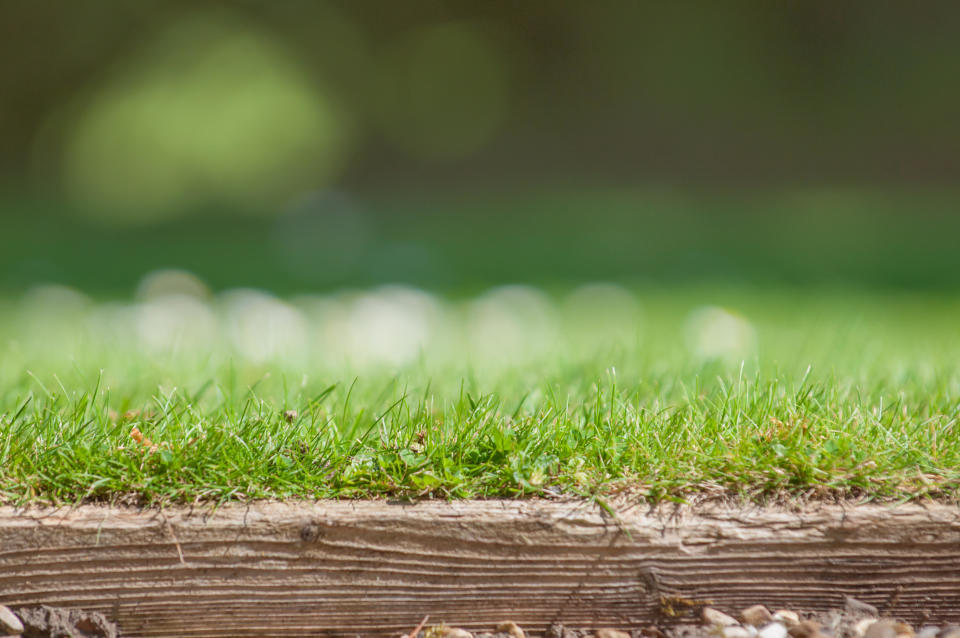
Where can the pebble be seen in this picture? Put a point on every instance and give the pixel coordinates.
(805, 629)
(756, 615)
(903, 630)
(717, 618)
(736, 631)
(950, 631)
(859, 608)
(862, 625)
(557, 630)
(442, 631)
(511, 628)
(928, 631)
(610, 633)
(787, 617)
(9, 623)
(773, 630)
(886, 628)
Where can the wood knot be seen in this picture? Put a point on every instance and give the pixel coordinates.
(650, 580)
(310, 532)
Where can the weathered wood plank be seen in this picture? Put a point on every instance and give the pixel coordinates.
(371, 568)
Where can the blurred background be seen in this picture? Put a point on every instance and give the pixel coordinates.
(667, 209)
(454, 145)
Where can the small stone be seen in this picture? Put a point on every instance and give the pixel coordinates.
(716, 618)
(773, 630)
(805, 629)
(928, 631)
(860, 628)
(903, 630)
(950, 631)
(756, 615)
(9, 623)
(787, 617)
(856, 607)
(610, 633)
(882, 629)
(442, 631)
(511, 628)
(735, 631)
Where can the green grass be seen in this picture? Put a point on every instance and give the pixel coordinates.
(821, 394)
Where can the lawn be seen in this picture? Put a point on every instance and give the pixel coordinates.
(392, 392)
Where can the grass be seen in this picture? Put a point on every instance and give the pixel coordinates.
(818, 394)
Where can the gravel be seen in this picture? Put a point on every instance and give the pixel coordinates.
(856, 620)
(9, 623)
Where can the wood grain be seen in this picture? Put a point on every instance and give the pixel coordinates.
(373, 568)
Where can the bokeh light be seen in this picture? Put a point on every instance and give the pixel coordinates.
(210, 110)
(718, 333)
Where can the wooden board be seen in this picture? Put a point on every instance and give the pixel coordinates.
(374, 568)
